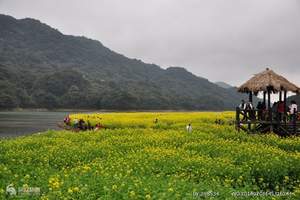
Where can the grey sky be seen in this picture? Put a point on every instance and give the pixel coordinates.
(217, 39)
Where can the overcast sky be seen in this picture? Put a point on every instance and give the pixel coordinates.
(216, 39)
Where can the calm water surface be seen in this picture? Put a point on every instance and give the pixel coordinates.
(16, 123)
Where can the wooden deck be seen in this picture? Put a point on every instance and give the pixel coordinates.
(253, 125)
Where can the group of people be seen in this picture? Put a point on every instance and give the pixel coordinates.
(81, 125)
(277, 111)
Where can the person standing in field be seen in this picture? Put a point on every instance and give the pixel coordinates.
(67, 120)
(81, 125)
(242, 105)
(280, 110)
(249, 112)
(76, 123)
(189, 128)
(98, 127)
(293, 110)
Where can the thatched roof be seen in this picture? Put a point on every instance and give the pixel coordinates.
(268, 79)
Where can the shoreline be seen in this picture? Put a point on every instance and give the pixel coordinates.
(104, 110)
(29, 121)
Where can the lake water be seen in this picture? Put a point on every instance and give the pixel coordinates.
(16, 123)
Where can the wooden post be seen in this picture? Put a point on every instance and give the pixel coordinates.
(250, 97)
(285, 105)
(250, 111)
(264, 98)
(294, 122)
(237, 119)
(280, 96)
(270, 110)
(269, 100)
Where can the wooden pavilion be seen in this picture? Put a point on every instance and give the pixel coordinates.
(268, 83)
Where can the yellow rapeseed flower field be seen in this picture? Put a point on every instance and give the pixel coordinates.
(147, 155)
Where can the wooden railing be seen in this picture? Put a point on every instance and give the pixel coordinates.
(267, 120)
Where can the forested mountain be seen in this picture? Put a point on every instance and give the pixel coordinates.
(41, 67)
(295, 98)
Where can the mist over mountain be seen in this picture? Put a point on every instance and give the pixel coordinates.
(223, 85)
(42, 68)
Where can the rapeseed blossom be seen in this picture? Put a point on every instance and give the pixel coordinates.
(137, 157)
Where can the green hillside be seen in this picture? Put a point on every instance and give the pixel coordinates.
(41, 67)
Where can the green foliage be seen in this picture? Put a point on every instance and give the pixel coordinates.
(136, 158)
(61, 82)
(46, 100)
(7, 101)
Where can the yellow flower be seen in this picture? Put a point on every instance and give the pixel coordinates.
(44, 198)
(148, 196)
(76, 189)
(114, 187)
(286, 179)
(86, 168)
(131, 193)
(54, 183)
(171, 190)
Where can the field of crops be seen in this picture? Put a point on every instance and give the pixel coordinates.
(139, 157)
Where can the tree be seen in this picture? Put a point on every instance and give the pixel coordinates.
(7, 101)
(24, 100)
(46, 100)
(74, 98)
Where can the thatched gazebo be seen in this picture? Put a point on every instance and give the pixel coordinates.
(267, 82)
